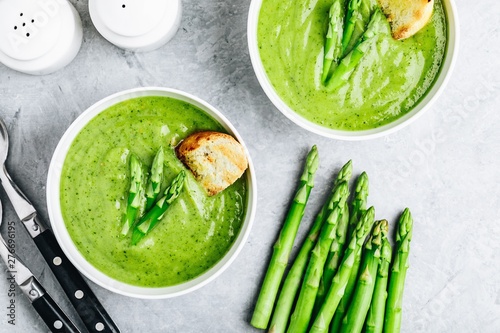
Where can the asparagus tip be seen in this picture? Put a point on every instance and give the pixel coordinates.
(405, 227)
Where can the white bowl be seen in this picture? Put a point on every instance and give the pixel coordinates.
(64, 239)
(425, 104)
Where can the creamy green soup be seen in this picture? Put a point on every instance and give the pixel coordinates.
(390, 80)
(196, 230)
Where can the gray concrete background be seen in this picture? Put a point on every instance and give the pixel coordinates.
(444, 167)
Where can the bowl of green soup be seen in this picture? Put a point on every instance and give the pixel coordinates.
(87, 191)
(391, 84)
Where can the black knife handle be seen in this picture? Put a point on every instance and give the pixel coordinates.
(90, 310)
(55, 319)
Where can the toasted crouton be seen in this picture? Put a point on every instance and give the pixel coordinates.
(407, 17)
(216, 159)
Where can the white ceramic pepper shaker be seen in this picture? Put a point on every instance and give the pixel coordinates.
(38, 36)
(136, 25)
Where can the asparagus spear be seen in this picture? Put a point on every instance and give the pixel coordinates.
(135, 195)
(358, 309)
(292, 282)
(155, 180)
(148, 221)
(346, 298)
(358, 207)
(337, 247)
(335, 292)
(349, 63)
(284, 244)
(333, 40)
(358, 16)
(305, 303)
(334, 257)
(344, 175)
(291, 285)
(359, 200)
(375, 319)
(399, 267)
(351, 17)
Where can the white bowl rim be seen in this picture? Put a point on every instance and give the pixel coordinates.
(64, 239)
(422, 106)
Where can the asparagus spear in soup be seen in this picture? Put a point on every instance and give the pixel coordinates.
(333, 39)
(348, 64)
(135, 200)
(155, 214)
(155, 179)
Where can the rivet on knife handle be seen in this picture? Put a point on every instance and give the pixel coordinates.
(92, 313)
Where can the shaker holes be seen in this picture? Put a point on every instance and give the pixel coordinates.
(24, 24)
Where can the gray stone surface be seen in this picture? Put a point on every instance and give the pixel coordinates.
(444, 167)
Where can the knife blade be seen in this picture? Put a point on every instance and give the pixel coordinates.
(23, 207)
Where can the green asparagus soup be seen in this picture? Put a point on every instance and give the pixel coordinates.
(391, 78)
(196, 230)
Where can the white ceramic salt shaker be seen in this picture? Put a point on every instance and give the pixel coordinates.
(38, 36)
(136, 25)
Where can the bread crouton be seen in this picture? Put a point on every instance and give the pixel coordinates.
(406, 17)
(216, 159)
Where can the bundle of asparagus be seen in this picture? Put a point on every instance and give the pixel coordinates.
(340, 279)
(347, 40)
(143, 210)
